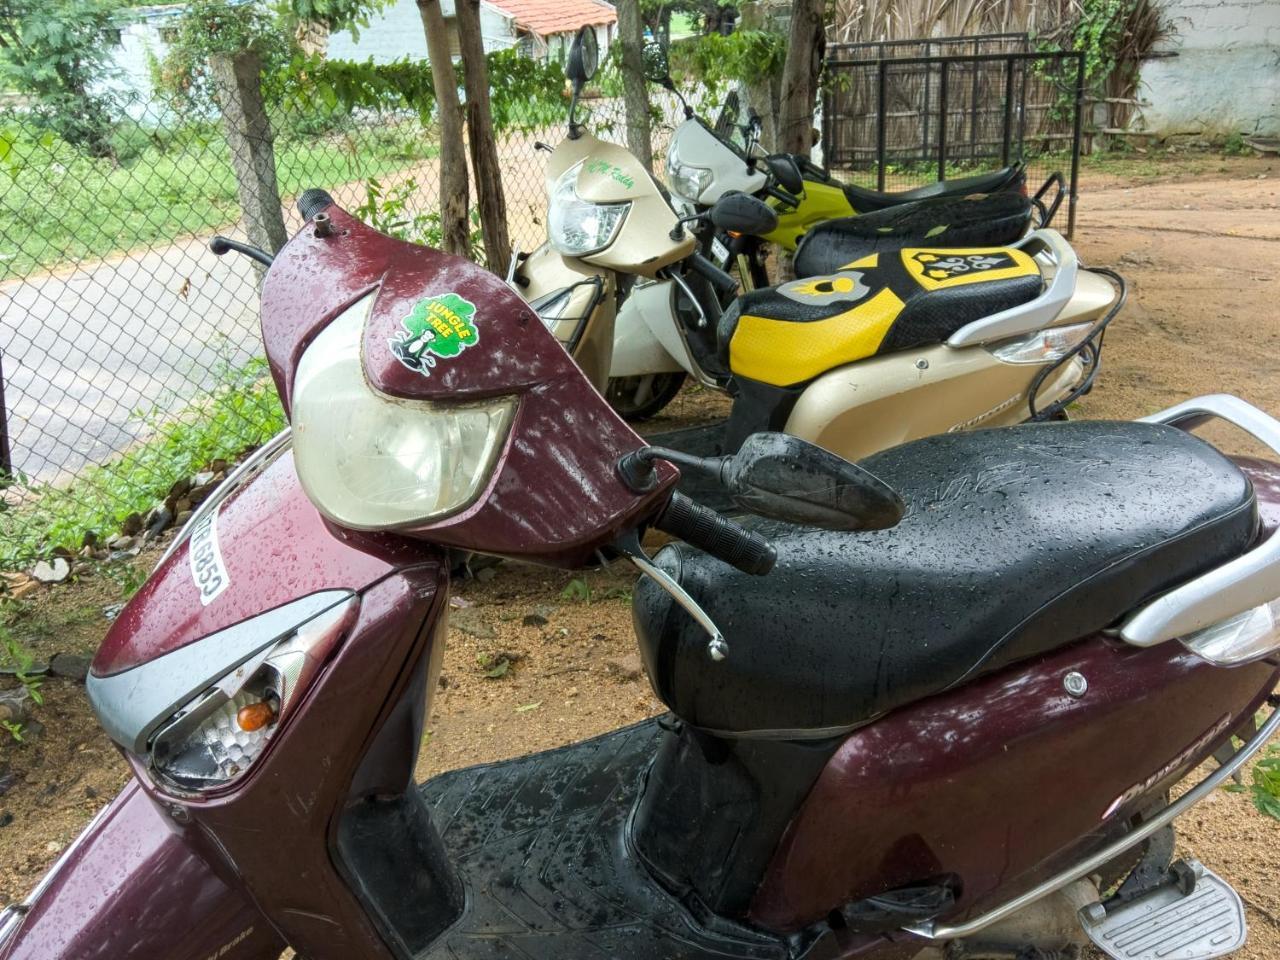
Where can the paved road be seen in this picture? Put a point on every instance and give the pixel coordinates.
(83, 349)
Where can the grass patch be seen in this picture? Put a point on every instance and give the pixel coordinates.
(60, 206)
(240, 413)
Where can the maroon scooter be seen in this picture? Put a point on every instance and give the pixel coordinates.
(932, 704)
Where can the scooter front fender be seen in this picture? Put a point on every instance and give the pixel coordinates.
(647, 338)
(131, 886)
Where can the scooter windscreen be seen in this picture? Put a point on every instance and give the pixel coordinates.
(427, 398)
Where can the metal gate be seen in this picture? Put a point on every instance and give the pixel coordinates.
(902, 113)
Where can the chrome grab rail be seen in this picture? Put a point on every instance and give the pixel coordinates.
(932, 930)
(1248, 581)
(1035, 314)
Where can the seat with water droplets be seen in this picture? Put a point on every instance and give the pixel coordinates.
(1015, 541)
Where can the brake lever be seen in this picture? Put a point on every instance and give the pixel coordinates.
(629, 546)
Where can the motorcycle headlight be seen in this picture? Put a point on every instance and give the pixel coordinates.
(369, 461)
(1043, 346)
(578, 227)
(216, 737)
(686, 180)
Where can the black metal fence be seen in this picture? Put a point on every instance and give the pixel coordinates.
(901, 113)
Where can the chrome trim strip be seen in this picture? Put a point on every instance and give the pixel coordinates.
(132, 704)
(1035, 314)
(932, 930)
(1247, 581)
(12, 916)
(227, 487)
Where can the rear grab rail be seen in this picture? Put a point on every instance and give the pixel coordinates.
(1046, 245)
(1250, 580)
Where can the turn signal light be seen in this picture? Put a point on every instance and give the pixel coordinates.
(255, 716)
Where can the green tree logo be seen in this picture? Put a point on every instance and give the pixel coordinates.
(437, 327)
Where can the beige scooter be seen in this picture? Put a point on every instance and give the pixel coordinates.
(894, 347)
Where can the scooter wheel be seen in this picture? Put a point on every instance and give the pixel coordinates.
(642, 397)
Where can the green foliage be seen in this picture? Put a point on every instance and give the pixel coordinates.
(577, 591)
(748, 56)
(210, 27)
(1266, 784)
(333, 15)
(525, 93)
(392, 210)
(55, 51)
(1099, 33)
(63, 205)
(15, 655)
(240, 413)
(1234, 146)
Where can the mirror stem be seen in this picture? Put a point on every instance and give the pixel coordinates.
(638, 473)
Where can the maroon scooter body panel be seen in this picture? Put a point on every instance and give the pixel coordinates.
(556, 495)
(1004, 781)
(276, 548)
(132, 887)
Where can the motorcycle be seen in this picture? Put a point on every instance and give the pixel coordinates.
(825, 223)
(897, 345)
(1067, 617)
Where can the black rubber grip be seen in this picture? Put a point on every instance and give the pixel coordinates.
(312, 202)
(724, 283)
(719, 536)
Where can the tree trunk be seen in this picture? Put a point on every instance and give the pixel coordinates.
(238, 88)
(806, 45)
(484, 149)
(763, 93)
(454, 193)
(635, 95)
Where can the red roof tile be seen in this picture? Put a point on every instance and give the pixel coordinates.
(548, 17)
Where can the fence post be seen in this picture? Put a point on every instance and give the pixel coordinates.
(1075, 146)
(237, 81)
(1008, 112)
(881, 83)
(6, 455)
(942, 122)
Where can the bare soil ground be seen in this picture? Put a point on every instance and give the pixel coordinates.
(537, 658)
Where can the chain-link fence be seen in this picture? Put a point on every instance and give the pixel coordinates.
(130, 355)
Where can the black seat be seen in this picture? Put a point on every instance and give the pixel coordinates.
(1015, 541)
(984, 219)
(864, 200)
(791, 333)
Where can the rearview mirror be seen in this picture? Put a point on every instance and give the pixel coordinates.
(786, 172)
(657, 68)
(584, 56)
(743, 213)
(783, 477)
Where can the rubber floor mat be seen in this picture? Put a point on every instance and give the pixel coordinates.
(541, 847)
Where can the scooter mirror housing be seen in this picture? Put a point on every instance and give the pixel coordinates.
(786, 173)
(657, 68)
(743, 213)
(584, 56)
(785, 478)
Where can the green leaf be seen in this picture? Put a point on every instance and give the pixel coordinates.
(934, 231)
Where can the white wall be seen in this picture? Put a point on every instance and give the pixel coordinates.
(396, 33)
(1226, 75)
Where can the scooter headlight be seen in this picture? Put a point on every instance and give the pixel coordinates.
(217, 736)
(1043, 346)
(369, 461)
(577, 227)
(686, 180)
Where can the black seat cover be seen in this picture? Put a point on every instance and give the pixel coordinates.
(1015, 541)
(864, 200)
(985, 219)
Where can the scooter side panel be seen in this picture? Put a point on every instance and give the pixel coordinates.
(1004, 781)
(646, 339)
(267, 545)
(132, 887)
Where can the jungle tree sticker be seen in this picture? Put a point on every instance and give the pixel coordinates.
(438, 327)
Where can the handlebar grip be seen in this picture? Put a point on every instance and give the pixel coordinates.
(724, 283)
(719, 536)
(312, 202)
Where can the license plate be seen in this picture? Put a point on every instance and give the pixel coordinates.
(720, 250)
